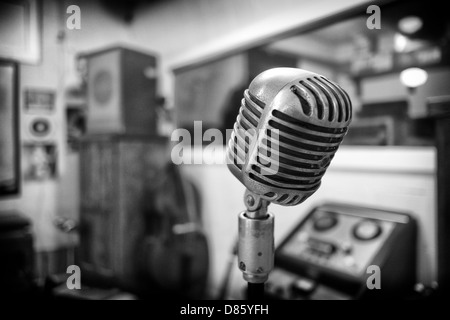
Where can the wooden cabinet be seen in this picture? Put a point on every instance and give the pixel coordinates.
(121, 91)
(117, 176)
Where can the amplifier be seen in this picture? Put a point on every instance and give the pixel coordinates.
(121, 91)
(346, 252)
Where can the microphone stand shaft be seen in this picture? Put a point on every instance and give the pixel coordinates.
(256, 245)
(255, 291)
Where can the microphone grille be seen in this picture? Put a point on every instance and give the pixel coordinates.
(302, 123)
(247, 120)
(324, 100)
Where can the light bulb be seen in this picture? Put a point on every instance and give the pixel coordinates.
(413, 77)
(410, 24)
(400, 42)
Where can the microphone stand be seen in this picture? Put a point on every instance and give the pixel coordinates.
(256, 244)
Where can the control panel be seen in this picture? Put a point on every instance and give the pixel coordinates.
(329, 252)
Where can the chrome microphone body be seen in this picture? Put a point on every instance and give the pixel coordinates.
(294, 121)
(289, 127)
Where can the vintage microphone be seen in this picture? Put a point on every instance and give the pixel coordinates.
(290, 125)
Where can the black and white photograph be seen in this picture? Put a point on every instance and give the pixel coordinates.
(225, 158)
(76, 127)
(39, 162)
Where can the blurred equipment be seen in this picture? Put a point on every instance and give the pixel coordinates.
(69, 227)
(175, 248)
(39, 129)
(288, 129)
(139, 228)
(116, 175)
(121, 91)
(140, 223)
(328, 255)
(39, 122)
(16, 256)
(439, 109)
(380, 124)
(372, 131)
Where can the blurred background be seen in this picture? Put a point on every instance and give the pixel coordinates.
(91, 91)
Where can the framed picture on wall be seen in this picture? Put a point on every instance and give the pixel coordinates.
(20, 31)
(39, 161)
(39, 101)
(9, 129)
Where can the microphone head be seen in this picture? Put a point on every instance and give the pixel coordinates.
(290, 125)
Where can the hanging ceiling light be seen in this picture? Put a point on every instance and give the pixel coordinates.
(413, 77)
(410, 24)
(400, 42)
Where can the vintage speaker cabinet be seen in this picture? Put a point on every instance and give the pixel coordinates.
(117, 173)
(121, 91)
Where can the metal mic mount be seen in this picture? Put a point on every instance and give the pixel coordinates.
(256, 242)
(305, 117)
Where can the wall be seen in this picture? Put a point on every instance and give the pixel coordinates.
(39, 200)
(205, 92)
(202, 29)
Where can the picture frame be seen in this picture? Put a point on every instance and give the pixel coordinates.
(9, 129)
(38, 101)
(20, 31)
(39, 161)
